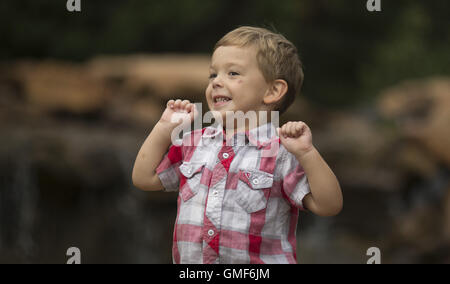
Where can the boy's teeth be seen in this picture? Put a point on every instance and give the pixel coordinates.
(222, 99)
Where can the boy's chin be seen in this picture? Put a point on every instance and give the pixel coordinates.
(221, 115)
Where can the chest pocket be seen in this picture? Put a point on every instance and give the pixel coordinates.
(253, 189)
(191, 175)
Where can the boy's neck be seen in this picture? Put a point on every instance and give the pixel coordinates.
(242, 128)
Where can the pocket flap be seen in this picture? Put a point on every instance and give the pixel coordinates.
(256, 179)
(189, 169)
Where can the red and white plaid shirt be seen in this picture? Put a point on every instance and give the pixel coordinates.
(236, 204)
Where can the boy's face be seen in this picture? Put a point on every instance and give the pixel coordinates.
(235, 76)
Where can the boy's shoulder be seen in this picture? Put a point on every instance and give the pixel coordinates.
(284, 160)
(198, 136)
(190, 138)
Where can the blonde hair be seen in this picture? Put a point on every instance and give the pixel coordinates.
(277, 58)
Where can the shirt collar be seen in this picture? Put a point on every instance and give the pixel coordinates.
(258, 136)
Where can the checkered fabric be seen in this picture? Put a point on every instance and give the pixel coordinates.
(239, 199)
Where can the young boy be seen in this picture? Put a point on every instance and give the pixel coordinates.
(240, 203)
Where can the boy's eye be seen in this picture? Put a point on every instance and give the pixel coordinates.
(232, 73)
(212, 75)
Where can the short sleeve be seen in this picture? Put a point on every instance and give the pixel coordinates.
(168, 170)
(294, 181)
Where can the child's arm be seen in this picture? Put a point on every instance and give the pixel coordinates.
(326, 196)
(157, 144)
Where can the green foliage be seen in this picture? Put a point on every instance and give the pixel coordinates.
(349, 53)
(416, 46)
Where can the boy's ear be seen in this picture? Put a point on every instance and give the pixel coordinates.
(276, 92)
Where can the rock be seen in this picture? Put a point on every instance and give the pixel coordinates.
(59, 86)
(420, 229)
(421, 110)
(416, 160)
(139, 113)
(356, 149)
(163, 76)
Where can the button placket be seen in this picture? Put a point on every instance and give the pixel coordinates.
(213, 211)
(214, 205)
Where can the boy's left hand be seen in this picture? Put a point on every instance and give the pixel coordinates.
(296, 137)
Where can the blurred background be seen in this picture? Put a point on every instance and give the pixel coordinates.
(80, 91)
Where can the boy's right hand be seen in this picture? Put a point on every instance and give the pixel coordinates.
(178, 112)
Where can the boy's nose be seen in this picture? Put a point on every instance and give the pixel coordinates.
(217, 82)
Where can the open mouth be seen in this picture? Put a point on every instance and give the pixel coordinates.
(221, 101)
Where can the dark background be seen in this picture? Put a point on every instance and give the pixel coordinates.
(80, 91)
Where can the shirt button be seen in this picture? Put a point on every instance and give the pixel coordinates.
(215, 192)
(225, 155)
(210, 233)
(255, 181)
